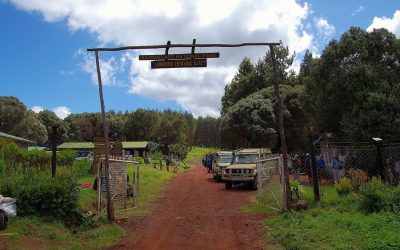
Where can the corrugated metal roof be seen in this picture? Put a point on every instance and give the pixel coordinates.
(134, 144)
(76, 145)
(90, 145)
(12, 137)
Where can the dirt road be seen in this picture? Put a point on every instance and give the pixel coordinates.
(196, 213)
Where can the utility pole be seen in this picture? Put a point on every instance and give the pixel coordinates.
(287, 194)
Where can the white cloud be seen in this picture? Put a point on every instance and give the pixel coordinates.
(391, 24)
(358, 10)
(62, 111)
(37, 109)
(324, 27)
(139, 22)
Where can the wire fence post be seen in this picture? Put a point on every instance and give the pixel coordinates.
(136, 184)
(314, 171)
(378, 162)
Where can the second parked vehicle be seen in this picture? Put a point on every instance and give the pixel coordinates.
(222, 160)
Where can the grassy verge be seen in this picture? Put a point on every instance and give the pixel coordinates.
(333, 223)
(46, 233)
(31, 232)
(197, 153)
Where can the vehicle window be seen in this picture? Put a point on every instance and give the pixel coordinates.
(246, 158)
(225, 158)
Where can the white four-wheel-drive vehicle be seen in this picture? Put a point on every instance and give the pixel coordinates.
(222, 159)
(243, 168)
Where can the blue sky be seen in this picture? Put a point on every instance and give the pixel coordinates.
(43, 60)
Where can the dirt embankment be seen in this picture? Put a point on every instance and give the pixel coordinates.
(196, 213)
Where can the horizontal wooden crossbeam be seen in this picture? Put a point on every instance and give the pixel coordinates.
(164, 46)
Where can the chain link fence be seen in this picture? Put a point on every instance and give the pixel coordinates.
(269, 182)
(376, 159)
(391, 162)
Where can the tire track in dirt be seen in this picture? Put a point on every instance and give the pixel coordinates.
(196, 213)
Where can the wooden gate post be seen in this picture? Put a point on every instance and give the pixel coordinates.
(136, 185)
(287, 196)
(110, 205)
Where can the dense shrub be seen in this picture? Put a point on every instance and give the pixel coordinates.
(357, 178)
(179, 150)
(37, 159)
(11, 154)
(394, 200)
(2, 167)
(297, 190)
(343, 187)
(41, 194)
(81, 168)
(374, 196)
(66, 157)
(138, 159)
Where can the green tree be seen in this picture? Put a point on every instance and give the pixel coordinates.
(49, 119)
(354, 86)
(31, 128)
(207, 132)
(73, 133)
(140, 125)
(12, 112)
(241, 85)
(171, 128)
(249, 123)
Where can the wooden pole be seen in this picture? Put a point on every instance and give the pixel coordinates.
(110, 205)
(136, 185)
(164, 46)
(287, 196)
(54, 150)
(314, 171)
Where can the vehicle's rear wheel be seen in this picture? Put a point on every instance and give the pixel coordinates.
(228, 185)
(218, 178)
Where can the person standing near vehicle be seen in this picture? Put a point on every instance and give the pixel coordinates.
(336, 169)
(307, 166)
(209, 160)
(176, 166)
(167, 164)
(161, 164)
(321, 167)
(297, 166)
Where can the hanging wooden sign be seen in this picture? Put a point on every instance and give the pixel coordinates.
(179, 56)
(193, 63)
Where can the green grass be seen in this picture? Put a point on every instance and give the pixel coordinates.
(87, 196)
(197, 153)
(50, 233)
(328, 228)
(53, 233)
(152, 183)
(333, 223)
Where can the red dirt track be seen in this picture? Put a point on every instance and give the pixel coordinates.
(196, 213)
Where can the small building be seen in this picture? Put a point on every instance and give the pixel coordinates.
(135, 148)
(21, 142)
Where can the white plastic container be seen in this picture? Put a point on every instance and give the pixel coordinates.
(9, 205)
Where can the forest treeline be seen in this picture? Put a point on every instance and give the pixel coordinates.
(164, 127)
(350, 90)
